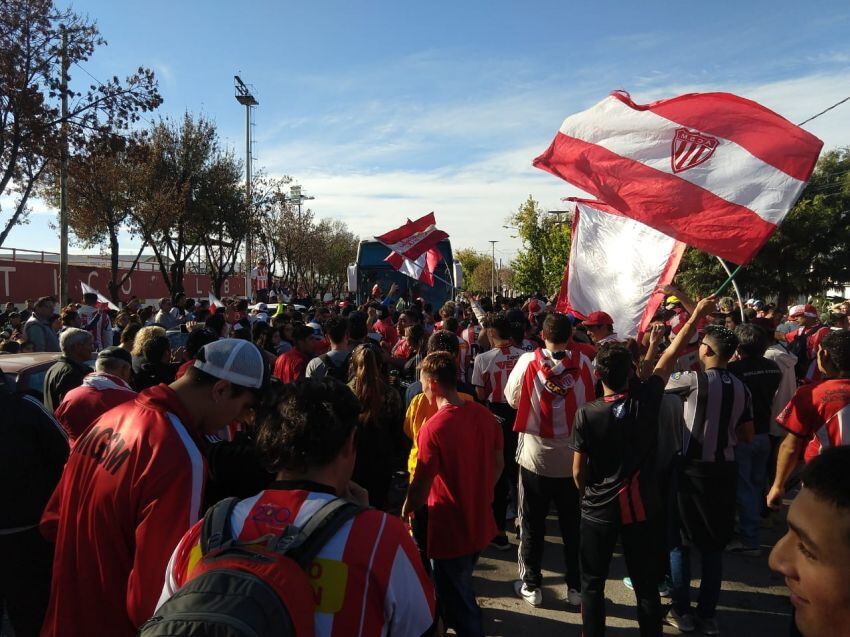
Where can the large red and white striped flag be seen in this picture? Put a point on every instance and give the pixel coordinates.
(616, 265)
(414, 238)
(714, 170)
(422, 269)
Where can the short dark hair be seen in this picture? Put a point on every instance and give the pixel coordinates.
(305, 424)
(44, 300)
(443, 341)
(90, 298)
(837, 318)
(215, 322)
(837, 345)
(827, 476)
(300, 332)
(752, 340)
(450, 324)
(336, 327)
(357, 328)
(197, 338)
(722, 341)
(502, 326)
(441, 367)
(557, 328)
(614, 361)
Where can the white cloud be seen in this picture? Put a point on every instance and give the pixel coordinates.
(472, 201)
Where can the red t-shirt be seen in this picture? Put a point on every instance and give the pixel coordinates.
(132, 487)
(820, 413)
(456, 447)
(83, 405)
(291, 366)
(388, 332)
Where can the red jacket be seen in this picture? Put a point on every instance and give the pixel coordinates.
(132, 487)
(291, 366)
(81, 406)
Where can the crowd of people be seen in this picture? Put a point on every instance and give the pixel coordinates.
(358, 458)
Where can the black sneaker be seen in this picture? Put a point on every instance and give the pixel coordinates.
(501, 543)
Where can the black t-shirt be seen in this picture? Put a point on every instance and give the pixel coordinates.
(619, 436)
(762, 378)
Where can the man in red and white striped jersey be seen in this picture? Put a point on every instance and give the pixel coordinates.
(368, 578)
(547, 387)
(490, 375)
(818, 415)
(260, 281)
(134, 483)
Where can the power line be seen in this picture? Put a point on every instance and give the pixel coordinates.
(826, 110)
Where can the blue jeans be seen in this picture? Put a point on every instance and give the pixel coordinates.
(752, 473)
(453, 583)
(709, 590)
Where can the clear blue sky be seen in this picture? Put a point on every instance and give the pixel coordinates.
(384, 110)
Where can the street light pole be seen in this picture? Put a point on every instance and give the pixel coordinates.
(244, 97)
(63, 179)
(493, 270)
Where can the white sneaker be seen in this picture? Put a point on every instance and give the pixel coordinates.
(533, 596)
(573, 597)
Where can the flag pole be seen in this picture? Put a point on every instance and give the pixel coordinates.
(731, 279)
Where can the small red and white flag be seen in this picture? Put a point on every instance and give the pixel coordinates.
(422, 269)
(214, 302)
(414, 238)
(616, 265)
(101, 299)
(714, 170)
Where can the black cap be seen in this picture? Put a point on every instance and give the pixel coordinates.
(115, 353)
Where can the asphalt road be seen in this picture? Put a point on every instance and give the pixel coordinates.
(753, 602)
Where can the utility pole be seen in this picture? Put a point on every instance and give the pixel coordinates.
(63, 179)
(493, 271)
(244, 97)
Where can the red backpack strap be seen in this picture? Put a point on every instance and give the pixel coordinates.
(303, 544)
(216, 532)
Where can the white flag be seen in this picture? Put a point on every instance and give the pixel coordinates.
(87, 289)
(615, 266)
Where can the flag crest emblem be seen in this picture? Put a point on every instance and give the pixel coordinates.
(690, 149)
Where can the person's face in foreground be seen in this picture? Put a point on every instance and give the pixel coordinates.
(814, 557)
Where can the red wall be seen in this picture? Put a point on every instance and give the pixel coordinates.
(20, 280)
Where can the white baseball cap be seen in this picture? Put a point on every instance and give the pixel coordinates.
(233, 359)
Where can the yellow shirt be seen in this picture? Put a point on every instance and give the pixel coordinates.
(418, 413)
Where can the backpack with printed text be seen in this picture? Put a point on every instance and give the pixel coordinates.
(337, 372)
(256, 589)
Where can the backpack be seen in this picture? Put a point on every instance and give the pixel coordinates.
(250, 590)
(340, 372)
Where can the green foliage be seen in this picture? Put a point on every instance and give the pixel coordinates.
(470, 259)
(539, 265)
(808, 254)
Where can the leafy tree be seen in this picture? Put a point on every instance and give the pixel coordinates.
(809, 252)
(182, 171)
(222, 206)
(31, 123)
(470, 259)
(104, 187)
(482, 277)
(539, 265)
(310, 255)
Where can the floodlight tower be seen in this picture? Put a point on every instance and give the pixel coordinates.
(247, 99)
